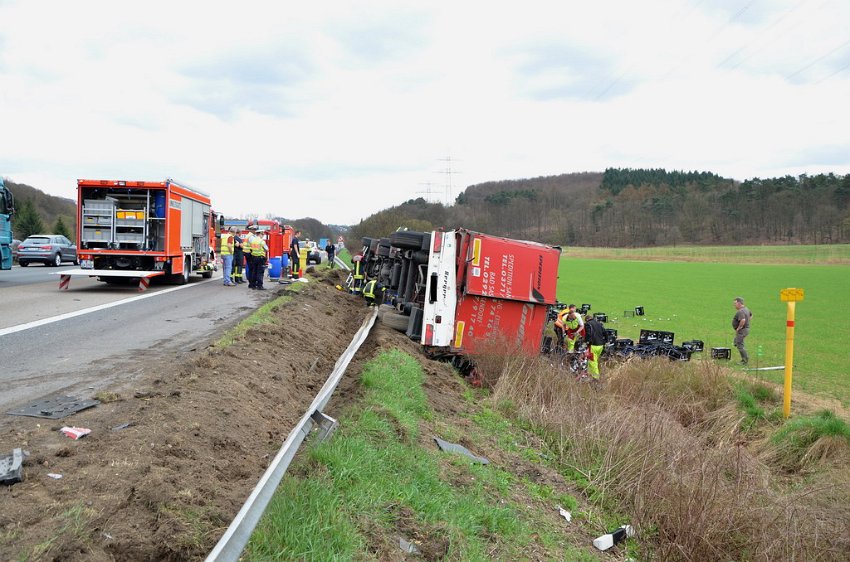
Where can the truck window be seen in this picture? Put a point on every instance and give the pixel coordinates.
(7, 202)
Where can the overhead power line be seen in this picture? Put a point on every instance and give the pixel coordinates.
(817, 60)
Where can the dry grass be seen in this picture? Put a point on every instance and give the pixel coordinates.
(662, 442)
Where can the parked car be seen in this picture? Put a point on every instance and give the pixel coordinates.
(49, 249)
(314, 255)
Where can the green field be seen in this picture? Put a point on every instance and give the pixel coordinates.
(833, 254)
(694, 300)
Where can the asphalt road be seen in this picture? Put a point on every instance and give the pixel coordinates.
(103, 334)
(33, 273)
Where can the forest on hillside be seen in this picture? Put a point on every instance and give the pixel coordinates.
(637, 208)
(46, 210)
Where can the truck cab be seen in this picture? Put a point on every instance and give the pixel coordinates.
(7, 209)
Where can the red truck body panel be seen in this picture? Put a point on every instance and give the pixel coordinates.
(484, 321)
(501, 268)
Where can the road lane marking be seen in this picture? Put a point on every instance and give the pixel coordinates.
(59, 318)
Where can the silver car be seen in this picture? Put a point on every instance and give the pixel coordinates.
(49, 249)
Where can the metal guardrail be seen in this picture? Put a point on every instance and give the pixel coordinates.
(341, 263)
(231, 544)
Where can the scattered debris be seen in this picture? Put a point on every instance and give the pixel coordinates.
(565, 514)
(408, 547)
(55, 408)
(10, 467)
(455, 448)
(54, 475)
(122, 426)
(610, 539)
(75, 432)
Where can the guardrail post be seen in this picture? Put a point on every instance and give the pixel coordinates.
(327, 425)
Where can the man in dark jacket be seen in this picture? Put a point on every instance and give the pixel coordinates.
(594, 335)
(331, 250)
(295, 254)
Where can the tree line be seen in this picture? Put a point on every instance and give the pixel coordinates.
(625, 207)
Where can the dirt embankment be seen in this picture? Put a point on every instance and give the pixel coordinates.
(201, 433)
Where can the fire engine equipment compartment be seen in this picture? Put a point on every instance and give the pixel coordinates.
(143, 226)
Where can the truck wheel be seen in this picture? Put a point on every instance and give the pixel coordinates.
(385, 308)
(395, 320)
(187, 268)
(407, 240)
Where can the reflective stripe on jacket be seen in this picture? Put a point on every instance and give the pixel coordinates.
(257, 246)
(369, 289)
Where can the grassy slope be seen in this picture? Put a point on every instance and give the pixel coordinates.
(380, 479)
(694, 300)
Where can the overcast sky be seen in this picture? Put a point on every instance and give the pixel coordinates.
(335, 109)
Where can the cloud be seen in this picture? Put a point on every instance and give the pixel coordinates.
(555, 70)
(263, 80)
(386, 37)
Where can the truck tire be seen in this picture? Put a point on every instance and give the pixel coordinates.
(385, 308)
(407, 240)
(383, 248)
(395, 320)
(366, 241)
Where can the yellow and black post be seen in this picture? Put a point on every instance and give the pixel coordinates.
(790, 296)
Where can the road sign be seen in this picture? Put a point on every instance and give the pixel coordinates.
(791, 295)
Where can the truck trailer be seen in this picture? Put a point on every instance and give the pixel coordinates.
(460, 292)
(136, 230)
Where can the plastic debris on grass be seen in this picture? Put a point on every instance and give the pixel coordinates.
(455, 448)
(618, 535)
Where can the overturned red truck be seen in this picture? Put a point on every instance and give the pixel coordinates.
(457, 292)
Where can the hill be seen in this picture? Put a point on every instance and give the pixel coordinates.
(639, 207)
(48, 207)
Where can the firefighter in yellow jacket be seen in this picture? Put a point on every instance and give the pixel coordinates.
(258, 251)
(570, 326)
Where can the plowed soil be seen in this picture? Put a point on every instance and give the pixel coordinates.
(201, 432)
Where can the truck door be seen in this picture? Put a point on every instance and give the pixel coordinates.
(440, 291)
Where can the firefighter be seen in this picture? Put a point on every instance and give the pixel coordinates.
(295, 254)
(258, 251)
(373, 293)
(238, 256)
(573, 327)
(595, 338)
(227, 257)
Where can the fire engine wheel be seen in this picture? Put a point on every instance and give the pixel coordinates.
(395, 320)
(407, 240)
(187, 267)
